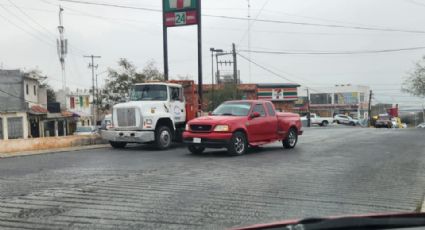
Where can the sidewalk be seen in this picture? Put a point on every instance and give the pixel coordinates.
(56, 150)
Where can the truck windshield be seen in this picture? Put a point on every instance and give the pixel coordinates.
(233, 109)
(148, 93)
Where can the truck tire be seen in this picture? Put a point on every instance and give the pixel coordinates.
(196, 150)
(291, 140)
(238, 144)
(352, 124)
(118, 145)
(325, 123)
(163, 137)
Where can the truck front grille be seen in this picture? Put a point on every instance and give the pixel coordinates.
(200, 128)
(126, 117)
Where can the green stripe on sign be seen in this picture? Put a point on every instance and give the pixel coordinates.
(264, 94)
(290, 93)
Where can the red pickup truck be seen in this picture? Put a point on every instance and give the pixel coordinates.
(237, 125)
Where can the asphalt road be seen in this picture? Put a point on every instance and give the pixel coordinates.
(332, 171)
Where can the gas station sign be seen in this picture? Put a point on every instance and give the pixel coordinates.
(180, 12)
(181, 18)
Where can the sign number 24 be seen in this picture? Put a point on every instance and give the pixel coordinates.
(180, 18)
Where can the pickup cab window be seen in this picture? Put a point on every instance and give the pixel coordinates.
(259, 108)
(233, 109)
(270, 109)
(148, 93)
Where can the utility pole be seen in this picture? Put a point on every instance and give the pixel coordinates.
(308, 109)
(213, 50)
(62, 47)
(93, 66)
(369, 110)
(249, 40)
(235, 70)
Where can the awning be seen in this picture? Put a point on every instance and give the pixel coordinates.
(38, 110)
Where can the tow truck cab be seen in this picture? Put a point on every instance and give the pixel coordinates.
(155, 113)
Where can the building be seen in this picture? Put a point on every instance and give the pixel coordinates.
(23, 105)
(348, 99)
(282, 95)
(80, 104)
(24, 111)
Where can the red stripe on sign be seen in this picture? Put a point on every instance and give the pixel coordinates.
(170, 19)
(180, 4)
(191, 17)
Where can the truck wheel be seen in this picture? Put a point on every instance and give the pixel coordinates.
(118, 145)
(325, 123)
(238, 144)
(291, 140)
(196, 150)
(352, 124)
(163, 137)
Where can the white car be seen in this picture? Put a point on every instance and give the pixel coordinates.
(344, 119)
(421, 126)
(85, 130)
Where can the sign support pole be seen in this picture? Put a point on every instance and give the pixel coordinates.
(165, 44)
(200, 82)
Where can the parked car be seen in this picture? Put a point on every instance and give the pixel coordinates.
(421, 126)
(106, 122)
(384, 121)
(318, 120)
(85, 130)
(235, 125)
(344, 119)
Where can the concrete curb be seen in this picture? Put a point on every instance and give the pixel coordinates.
(58, 150)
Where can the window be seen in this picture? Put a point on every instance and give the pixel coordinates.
(270, 109)
(35, 90)
(362, 99)
(232, 109)
(321, 98)
(27, 89)
(176, 94)
(149, 93)
(15, 127)
(259, 108)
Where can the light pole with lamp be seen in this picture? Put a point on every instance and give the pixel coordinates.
(212, 73)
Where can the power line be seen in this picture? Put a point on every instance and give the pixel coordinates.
(31, 18)
(12, 95)
(272, 72)
(335, 52)
(257, 20)
(24, 30)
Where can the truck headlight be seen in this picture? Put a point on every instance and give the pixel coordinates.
(221, 128)
(187, 127)
(148, 121)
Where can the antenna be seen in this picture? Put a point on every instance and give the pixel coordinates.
(62, 48)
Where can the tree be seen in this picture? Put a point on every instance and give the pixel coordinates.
(51, 95)
(120, 80)
(222, 94)
(415, 82)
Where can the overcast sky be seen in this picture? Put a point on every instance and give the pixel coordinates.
(28, 37)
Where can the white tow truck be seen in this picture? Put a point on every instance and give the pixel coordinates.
(318, 120)
(156, 113)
